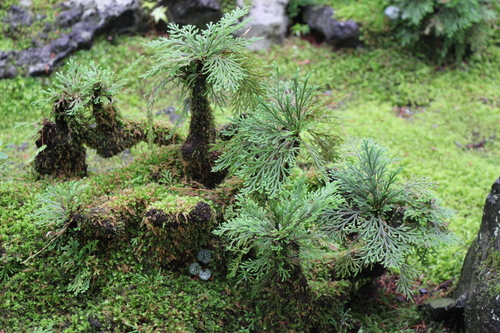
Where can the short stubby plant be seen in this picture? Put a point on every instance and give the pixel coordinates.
(211, 65)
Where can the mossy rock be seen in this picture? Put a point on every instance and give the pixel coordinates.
(117, 216)
(177, 227)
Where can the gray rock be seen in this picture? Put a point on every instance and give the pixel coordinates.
(480, 277)
(18, 16)
(269, 20)
(194, 12)
(86, 19)
(342, 34)
(69, 17)
(477, 294)
(8, 72)
(25, 3)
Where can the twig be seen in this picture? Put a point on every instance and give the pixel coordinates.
(59, 234)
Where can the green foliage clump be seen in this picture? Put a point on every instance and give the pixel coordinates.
(382, 221)
(80, 263)
(445, 29)
(58, 204)
(266, 142)
(274, 242)
(84, 113)
(281, 230)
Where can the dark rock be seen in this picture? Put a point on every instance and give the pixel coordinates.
(8, 72)
(42, 36)
(447, 310)
(47, 27)
(86, 19)
(480, 276)
(342, 34)
(39, 69)
(18, 16)
(69, 17)
(477, 295)
(195, 12)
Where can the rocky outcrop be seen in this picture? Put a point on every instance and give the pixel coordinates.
(476, 300)
(85, 19)
(195, 12)
(480, 277)
(269, 21)
(321, 21)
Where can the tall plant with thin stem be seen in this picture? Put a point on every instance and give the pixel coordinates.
(211, 65)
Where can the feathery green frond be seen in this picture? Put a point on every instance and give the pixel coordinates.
(281, 230)
(266, 142)
(79, 87)
(58, 202)
(189, 52)
(382, 221)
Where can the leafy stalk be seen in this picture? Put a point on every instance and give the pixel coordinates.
(267, 141)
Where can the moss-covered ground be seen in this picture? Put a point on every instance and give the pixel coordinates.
(442, 121)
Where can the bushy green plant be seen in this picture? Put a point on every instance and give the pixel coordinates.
(77, 98)
(58, 206)
(281, 230)
(266, 142)
(210, 65)
(382, 221)
(444, 29)
(58, 203)
(77, 89)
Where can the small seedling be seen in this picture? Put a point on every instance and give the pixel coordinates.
(195, 268)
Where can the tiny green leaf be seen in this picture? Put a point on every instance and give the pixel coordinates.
(194, 268)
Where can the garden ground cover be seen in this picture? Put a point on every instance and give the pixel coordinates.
(441, 121)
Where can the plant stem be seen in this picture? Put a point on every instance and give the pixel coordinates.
(196, 149)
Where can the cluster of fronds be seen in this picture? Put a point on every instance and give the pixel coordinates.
(230, 74)
(449, 27)
(266, 142)
(282, 230)
(382, 221)
(76, 90)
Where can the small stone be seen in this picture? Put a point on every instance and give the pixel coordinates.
(25, 3)
(423, 291)
(392, 12)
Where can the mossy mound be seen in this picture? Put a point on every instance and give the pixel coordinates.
(62, 154)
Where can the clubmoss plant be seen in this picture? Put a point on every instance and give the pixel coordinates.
(281, 231)
(59, 205)
(85, 114)
(382, 221)
(211, 65)
(266, 142)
